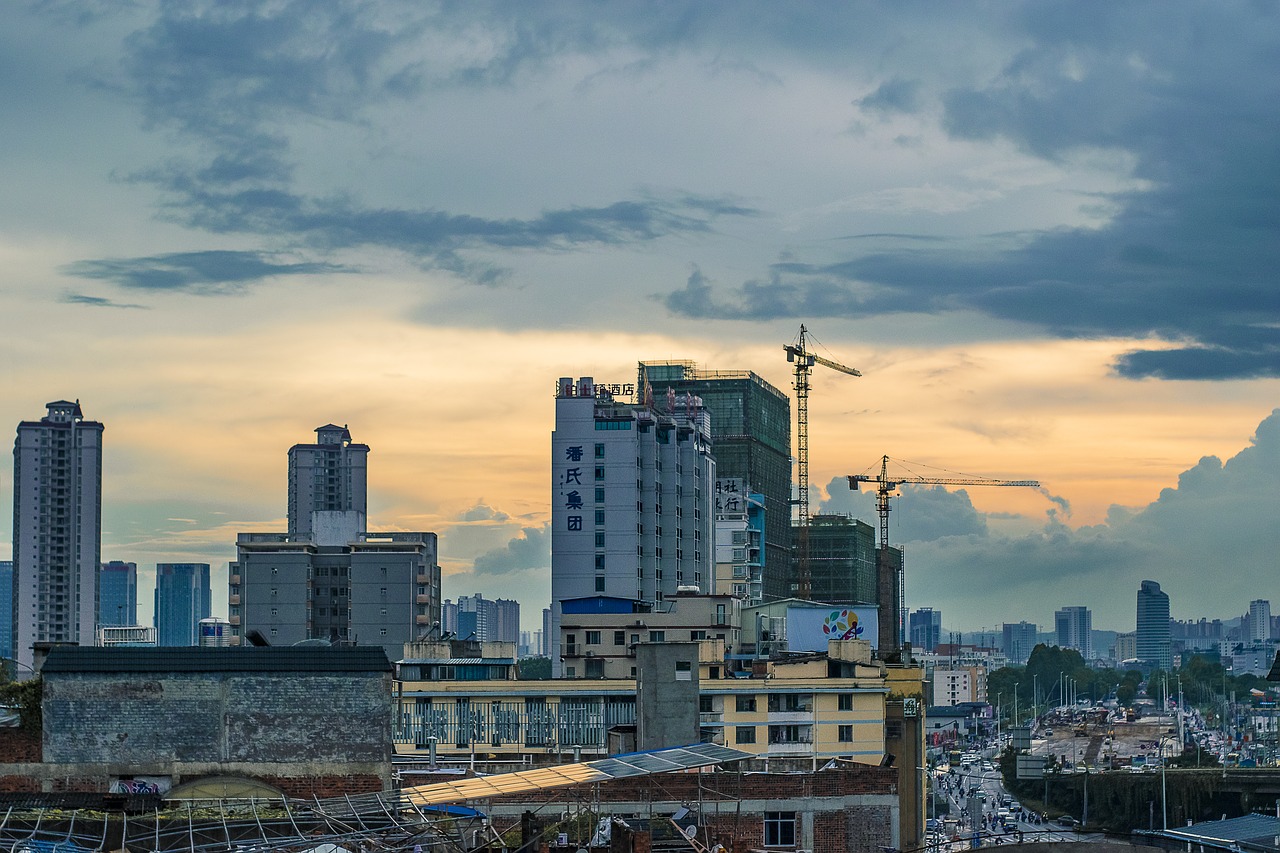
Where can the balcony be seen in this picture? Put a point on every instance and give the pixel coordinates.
(233, 599)
(234, 579)
(234, 620)
(423, 599)
(422, 620)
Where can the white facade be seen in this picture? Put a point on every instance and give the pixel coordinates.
(632, 507)
(962, 684)
(57, 535)
(328, 476)
(1074, 628)
(1259, 623)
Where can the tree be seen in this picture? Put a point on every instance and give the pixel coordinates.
(534, 669)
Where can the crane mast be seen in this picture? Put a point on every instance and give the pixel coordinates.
(804, 360)
(885, 487)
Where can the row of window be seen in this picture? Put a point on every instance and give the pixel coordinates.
(781, 735)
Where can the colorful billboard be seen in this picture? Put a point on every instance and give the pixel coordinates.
(809, 628)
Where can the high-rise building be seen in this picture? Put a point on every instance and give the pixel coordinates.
(1259, 621)
(1074, 626)
(842, 559)
(328, 476)
(1155, 644)
(182, 598)
(926, 629)
(1018, 640)
(330, 578)
(57, 529)
(118, 593)
(739, 541)
(631, 498)
(751, 441)
(487, 621)
(6, 608)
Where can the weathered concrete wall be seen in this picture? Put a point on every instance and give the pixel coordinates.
(296, 779)
(667, 695)
(136, 719)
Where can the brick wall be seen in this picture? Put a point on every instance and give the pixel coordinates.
(18, 746)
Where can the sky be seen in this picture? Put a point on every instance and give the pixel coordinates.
(1046, 232)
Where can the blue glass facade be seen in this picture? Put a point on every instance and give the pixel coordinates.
(118, 593)
(183, 598)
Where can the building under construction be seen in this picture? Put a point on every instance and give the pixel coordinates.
(842, 559)
(751, 437)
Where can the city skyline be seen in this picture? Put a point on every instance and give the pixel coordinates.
(1050, 254)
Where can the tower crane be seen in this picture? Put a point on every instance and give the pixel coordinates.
(804, 360)
(885, 488)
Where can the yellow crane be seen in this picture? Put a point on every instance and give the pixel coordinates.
(804, 360)
(886, 486)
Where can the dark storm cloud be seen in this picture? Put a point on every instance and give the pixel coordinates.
(429, 235)
(530, 550)
(229, 76)
(893, 96)
(212, 272)
(1190, 257)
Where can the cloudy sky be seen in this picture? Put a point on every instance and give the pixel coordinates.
(1047, 233)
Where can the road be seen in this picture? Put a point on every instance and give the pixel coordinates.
(961, 790)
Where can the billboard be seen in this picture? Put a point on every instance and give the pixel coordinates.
(809, 628)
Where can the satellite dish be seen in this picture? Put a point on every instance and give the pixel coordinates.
(691, 831)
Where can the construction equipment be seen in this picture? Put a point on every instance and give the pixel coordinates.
(885, 488)
(804, 360)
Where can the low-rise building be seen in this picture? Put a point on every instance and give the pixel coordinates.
(805, 709)
(599, 635)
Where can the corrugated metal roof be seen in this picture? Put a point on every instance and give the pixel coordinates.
(615, 767)
(459, 661)
(78, 659)
(1258, 829)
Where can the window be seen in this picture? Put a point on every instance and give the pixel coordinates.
(599, 472)
(846, 734)
(600, 584)
(746, 705)
(599, 562)
(593, 638)
(744, 734)
(846, 701)
(619, 638)
(697, 635)
(599, 496)
(789, 702)
(705, 705)
(599, 516)
(600, 539)
(657, 636)
(599, 451)
(779, 829)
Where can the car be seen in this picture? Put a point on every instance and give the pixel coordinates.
(1048, 732)
(1066, 820)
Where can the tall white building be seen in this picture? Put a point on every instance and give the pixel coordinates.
(1259, 622)
(57, 532)
(1074, 628)
(328, 476)
(632, 507)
